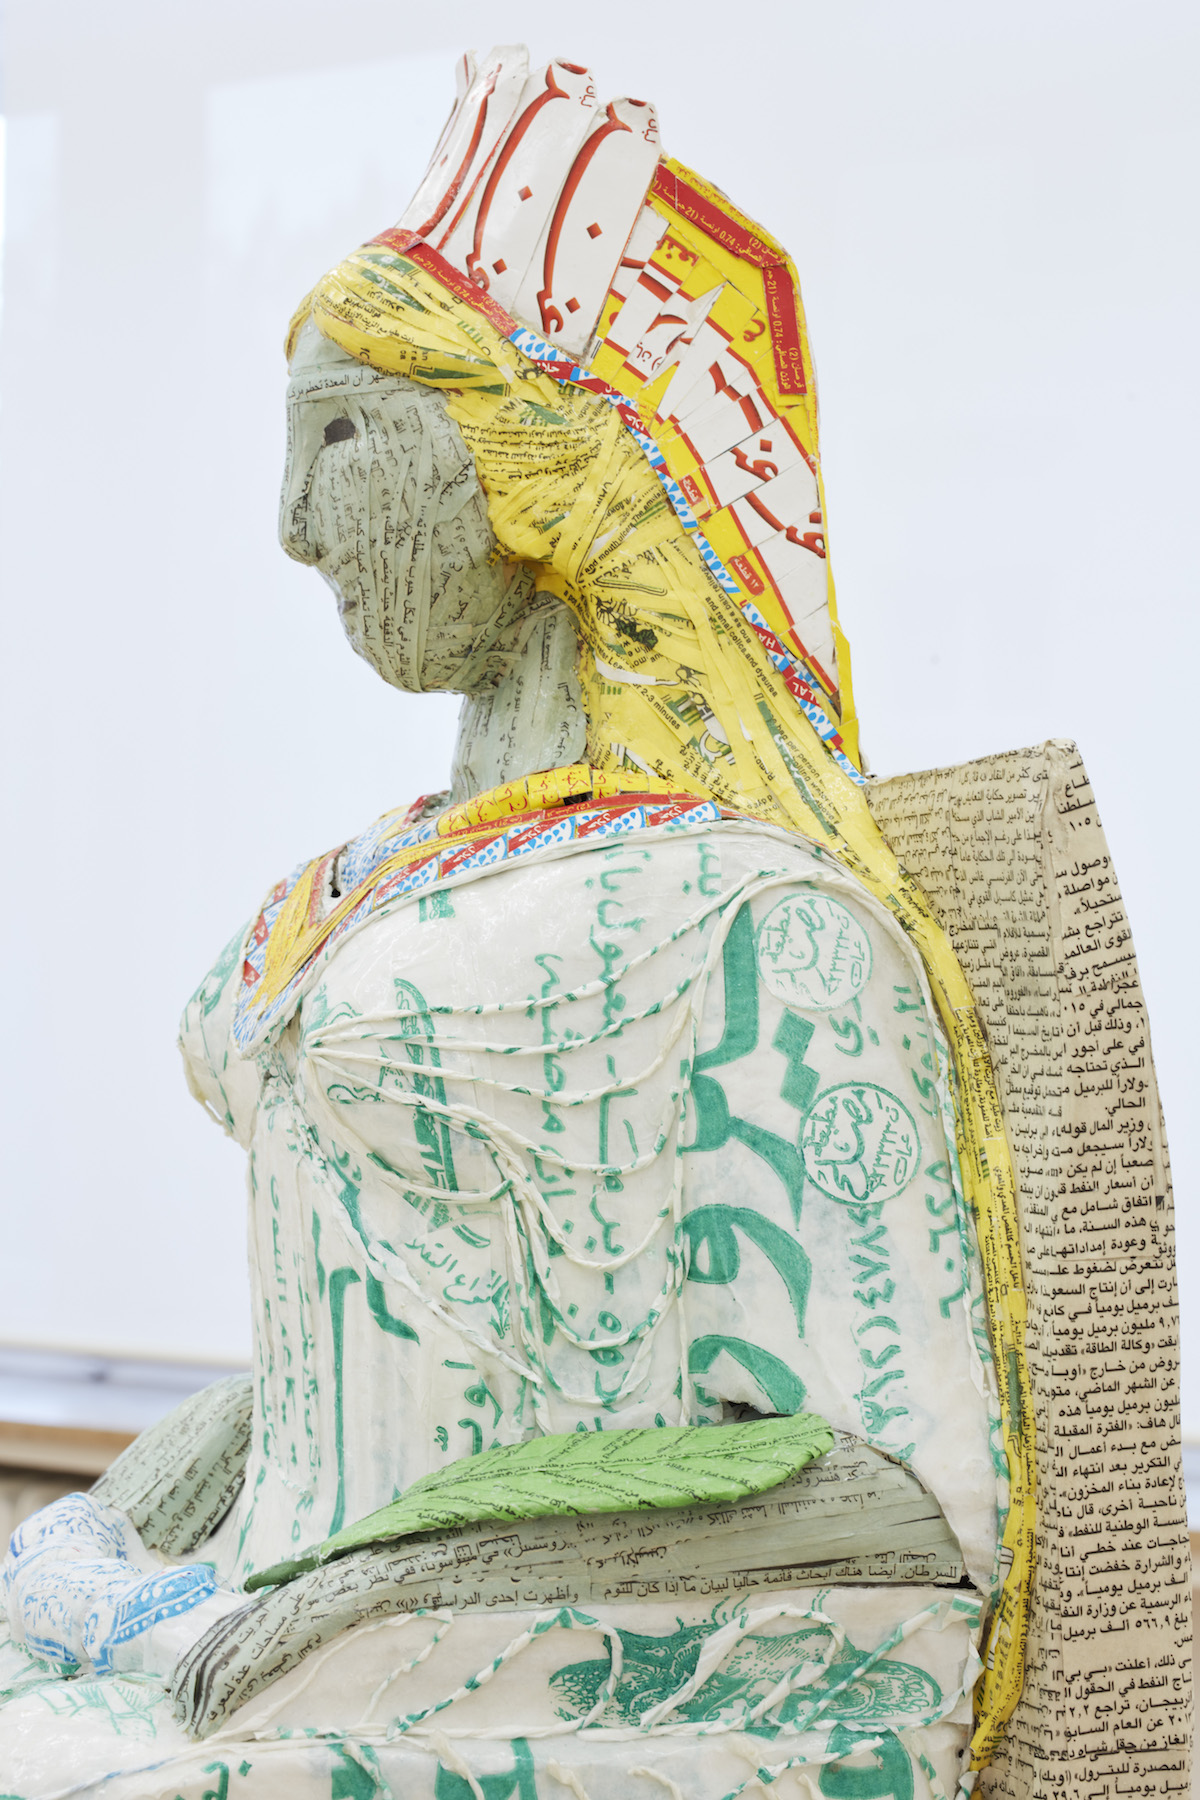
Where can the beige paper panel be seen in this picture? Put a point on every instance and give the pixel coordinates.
(1011, 851)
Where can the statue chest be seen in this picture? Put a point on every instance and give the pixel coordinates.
(645, 1134)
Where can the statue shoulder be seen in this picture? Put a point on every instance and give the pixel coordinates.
(429, 845)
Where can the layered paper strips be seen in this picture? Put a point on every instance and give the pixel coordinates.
(641, 1092)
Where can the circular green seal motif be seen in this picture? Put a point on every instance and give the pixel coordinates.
(813, 952)
(859, 1144)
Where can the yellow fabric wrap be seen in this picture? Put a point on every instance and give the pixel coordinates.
(677, 686)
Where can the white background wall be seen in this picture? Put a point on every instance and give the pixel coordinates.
(993, 212)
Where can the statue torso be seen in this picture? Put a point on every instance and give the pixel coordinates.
(647, 1129)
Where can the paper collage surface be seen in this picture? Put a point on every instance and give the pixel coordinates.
(1013, 848)
(645, 1091)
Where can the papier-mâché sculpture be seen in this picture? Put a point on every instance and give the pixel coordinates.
(626, 1104)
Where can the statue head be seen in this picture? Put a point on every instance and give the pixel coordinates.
(381, 496)
(576, 377)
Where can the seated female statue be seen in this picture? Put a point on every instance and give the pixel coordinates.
(630, 1084)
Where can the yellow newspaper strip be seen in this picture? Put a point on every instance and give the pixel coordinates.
(536, 793)
(676, 685)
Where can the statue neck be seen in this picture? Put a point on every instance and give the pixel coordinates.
(532, 719)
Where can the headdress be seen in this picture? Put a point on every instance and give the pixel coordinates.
(619, 275)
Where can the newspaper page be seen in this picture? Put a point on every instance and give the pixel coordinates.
(1012, 854)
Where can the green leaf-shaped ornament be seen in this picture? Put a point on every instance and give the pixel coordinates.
(585, 1472)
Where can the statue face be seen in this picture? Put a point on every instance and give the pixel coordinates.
(381, 496)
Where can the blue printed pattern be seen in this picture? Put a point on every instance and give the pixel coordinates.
(143, 1604)
(75, 1517)
(50, 1596)
(372, 847)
